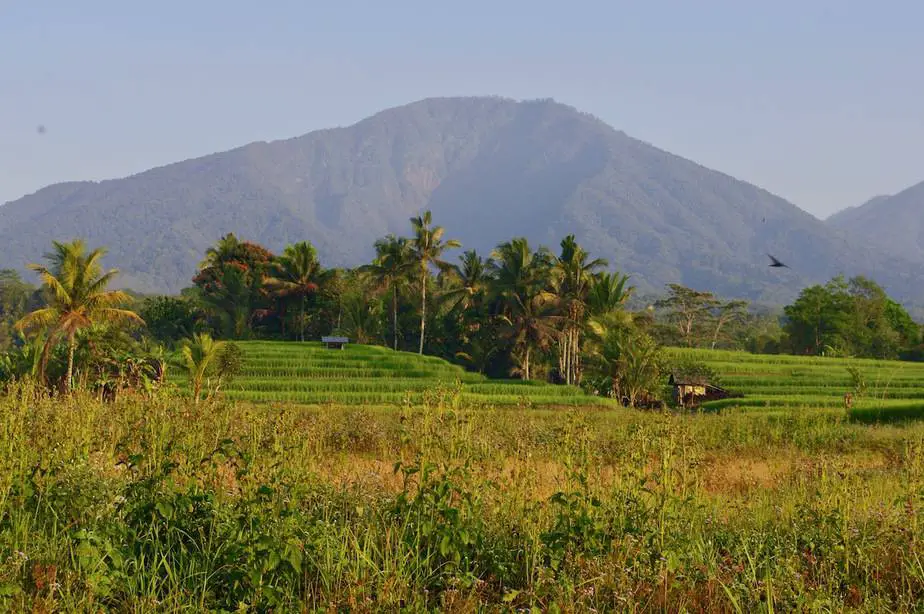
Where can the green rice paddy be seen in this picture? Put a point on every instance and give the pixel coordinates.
(890, 389)
(308, 373)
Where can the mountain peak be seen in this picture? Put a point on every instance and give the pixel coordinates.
(490, 168)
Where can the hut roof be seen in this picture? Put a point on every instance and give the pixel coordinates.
(683, 379)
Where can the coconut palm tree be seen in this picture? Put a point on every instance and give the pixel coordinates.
(626, 360)
(296, 274)
(528, 307)
(473, 277)
(362, 317)
(427, 247)
(608, 292)
(224, 250)
(76, 285)
(392, 265)
(573, 274)
(197, 355)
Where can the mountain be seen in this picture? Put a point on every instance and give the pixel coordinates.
(489, 168)
(844, 217)
(893, 223)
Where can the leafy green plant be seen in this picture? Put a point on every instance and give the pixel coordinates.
(857, 381)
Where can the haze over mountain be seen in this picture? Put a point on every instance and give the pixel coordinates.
(893, 223)
(490, 169)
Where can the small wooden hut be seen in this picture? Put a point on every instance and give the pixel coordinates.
(688, 390)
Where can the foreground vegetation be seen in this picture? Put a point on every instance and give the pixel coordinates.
(160, 505)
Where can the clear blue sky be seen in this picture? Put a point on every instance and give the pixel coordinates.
(821, 102)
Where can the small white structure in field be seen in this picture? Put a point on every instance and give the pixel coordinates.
(335, 343)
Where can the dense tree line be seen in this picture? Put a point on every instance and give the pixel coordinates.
(521, 311)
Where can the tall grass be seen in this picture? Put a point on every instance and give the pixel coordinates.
(156, 505)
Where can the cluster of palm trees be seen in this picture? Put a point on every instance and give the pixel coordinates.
(528, 301)
(521, 311)
(400, 260)
(239, 282)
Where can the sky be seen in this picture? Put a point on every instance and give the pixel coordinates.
(820, 102)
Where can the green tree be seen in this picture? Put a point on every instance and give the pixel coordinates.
(608, 292)
(572, 279)
(817, 318)
(227, 249)
(625, 362)
(15, 299)
(77, 287)
(296, 275)
(427, 247)
(362, 318)
(726, 314)
(473, 279)
(528, 307)
(390, 269)
(202, 356)
(171, 318)
(231, 283)
(688, 310)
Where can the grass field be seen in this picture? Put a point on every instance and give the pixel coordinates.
(307, 373)
(156, 505)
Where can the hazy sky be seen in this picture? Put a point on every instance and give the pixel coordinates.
(821, 102)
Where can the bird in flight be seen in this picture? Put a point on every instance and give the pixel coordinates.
(776, 263)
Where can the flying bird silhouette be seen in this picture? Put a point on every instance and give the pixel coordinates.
(776, 263)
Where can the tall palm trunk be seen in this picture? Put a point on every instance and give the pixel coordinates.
(301, 321)
(563, 358)
(576, 353)
(197, 389)
(71, 346)
(526, 363)
(394, 314)
(569, 355)
(423, 307)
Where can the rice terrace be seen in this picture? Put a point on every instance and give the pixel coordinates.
(273, 343)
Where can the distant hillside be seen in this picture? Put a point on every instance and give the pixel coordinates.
(848, 215)
(489, 168)
(892, 223)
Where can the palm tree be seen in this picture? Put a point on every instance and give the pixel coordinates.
(76, 285)
(474, 278)
(392, 265)
(224, 250)
(627, 360)
(231, 298)
(362, 317)
(573, 276)
(296, 275)
(427, 247)
(197, 355)
(608, 292)
(523, 277)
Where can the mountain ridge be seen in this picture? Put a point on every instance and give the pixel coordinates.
(489, 168)
(894, 223)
